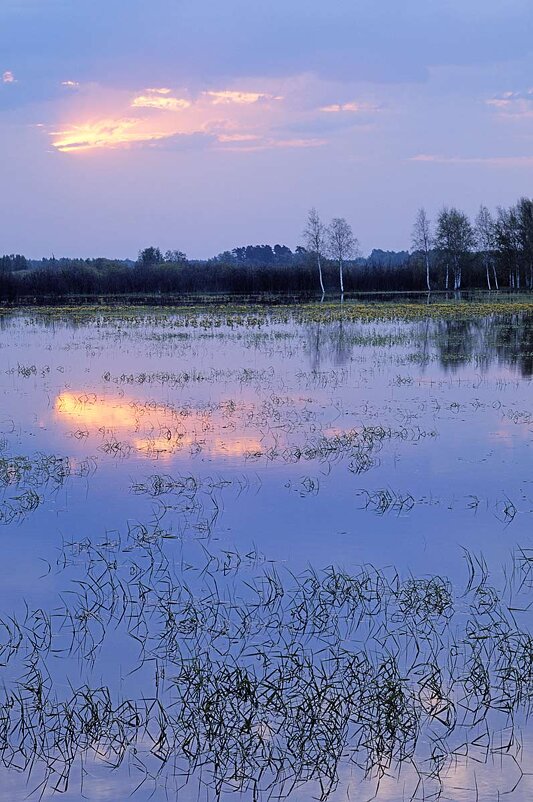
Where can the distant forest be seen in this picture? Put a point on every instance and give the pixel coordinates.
(492, 252)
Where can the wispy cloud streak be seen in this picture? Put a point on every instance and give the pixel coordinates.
(489, 161)
(352, 107)
(159, 101)
(241, 98)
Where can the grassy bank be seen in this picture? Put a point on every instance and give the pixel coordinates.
(224, 309)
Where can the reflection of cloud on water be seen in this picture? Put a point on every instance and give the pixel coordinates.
(98, 413)
(490, 775)
(213, 446)
(156, 429)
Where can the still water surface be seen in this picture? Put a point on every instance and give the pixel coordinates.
(263, 557)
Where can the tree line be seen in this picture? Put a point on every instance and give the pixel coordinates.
(502, 244)
(492, 251)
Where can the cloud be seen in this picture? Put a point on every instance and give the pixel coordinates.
(198, 140)
(513, 104)
(352, 107)
(101, 117)
(103, 134)
(237, 137)
(70, 84)
(489, 161)
(241, 98)
(271, 143)
(160, 100)
(125, 133)
(8, 77)
(384, 41)
(159, 90)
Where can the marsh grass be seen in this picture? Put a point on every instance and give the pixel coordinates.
(25, 476)
(263, 681)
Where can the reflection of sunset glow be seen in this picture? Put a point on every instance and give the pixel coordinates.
(103, 134)
(109, 413)
(212, 446)
(157, 429)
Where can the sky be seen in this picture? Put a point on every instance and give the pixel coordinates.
(203, 125)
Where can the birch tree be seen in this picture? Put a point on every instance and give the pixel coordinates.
(455, 238)
(486, 242)
(342, 244)
(422, 240)
(315, 235)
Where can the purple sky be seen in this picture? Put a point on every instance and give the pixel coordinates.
(202, 125)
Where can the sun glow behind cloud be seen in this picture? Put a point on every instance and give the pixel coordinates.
(378, 82)
(245, 119)
(232, 119)
(106, 133)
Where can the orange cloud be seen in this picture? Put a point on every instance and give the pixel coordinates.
(156, 114)
(104, 134)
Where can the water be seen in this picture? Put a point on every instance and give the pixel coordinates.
(258, 555)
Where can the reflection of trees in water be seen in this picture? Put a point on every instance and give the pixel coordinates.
(496, 339)
(315, 345)
(342, 348)
(514, 342)
(330, 343)
(456, 341)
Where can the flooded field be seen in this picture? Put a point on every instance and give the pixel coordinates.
(263, 554)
